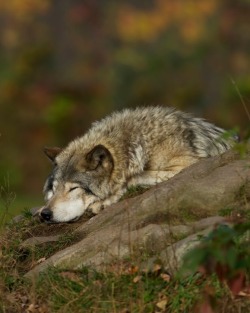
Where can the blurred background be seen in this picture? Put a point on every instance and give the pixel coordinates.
(67, 63)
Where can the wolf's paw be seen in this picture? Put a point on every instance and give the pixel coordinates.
(95, 207)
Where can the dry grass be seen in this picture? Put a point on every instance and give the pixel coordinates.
(119, 288)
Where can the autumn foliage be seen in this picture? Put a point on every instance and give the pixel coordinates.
(64, 64)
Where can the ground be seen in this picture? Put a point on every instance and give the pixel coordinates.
(203, 210)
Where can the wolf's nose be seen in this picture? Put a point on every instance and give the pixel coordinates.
(46, 214)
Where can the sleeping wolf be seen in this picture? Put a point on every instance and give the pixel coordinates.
(143, 146)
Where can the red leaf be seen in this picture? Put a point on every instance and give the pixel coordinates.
(237, 283)
(221, 271)
(204, 307)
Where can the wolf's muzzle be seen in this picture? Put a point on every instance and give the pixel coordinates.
(46, 214)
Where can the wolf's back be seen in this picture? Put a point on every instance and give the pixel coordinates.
(152, 125)
(123, 132)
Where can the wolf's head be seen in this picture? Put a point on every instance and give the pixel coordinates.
(77, 180)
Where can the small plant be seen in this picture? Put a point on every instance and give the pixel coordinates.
(134, 191)
(6, 199)
(225, 252)
(27, 213)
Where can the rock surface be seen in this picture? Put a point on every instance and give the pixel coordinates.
(34, 241)
(165, 221)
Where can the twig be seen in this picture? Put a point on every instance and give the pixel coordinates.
(241, 98)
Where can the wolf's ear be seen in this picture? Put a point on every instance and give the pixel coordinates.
(52, 152)
(100, 157)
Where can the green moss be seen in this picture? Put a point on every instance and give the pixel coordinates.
(134, 191)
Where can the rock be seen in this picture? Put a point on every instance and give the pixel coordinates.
(34, 241)
(17, 218)
(171, 257)
(164, 219)
(34, 211)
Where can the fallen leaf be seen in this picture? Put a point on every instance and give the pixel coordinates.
(205, 307)
(70, 275)
(237, 283)
(43, 309)
(165, 277)
(221, 271)
(245, 292)
(32, 308)
(125, 311)
(98, 283)
(136, 279)
(40, 260)
(156, 268)
(133, 269)
(162, 304)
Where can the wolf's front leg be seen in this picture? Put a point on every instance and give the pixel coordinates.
(95, 208)
(98, 206)
(150, 178)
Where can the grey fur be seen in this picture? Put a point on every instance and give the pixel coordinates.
(141, 146)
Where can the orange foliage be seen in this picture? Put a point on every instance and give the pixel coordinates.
(64, 64)
(18, 13)
(21, 9)
(145, 25)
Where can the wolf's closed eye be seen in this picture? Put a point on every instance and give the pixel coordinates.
(73, 188)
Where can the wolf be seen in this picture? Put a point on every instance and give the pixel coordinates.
(142, 146)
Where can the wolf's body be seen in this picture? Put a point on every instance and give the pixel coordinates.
(134, 147)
